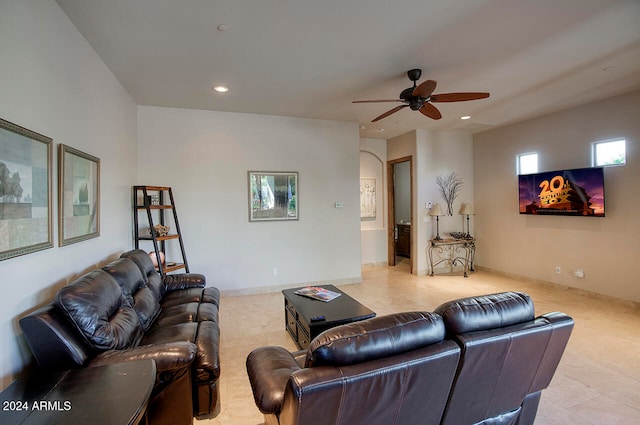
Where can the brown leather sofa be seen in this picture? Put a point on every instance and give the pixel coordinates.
(479, 360)
(126, 311)
(509, 357)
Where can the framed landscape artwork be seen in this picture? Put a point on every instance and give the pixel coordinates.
(79, 196)
(26, 223)
(273, 195)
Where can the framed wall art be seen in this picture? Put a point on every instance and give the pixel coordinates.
(367, 198)
(273, 195)
(26, 220)
(79, 196)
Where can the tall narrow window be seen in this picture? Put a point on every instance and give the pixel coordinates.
(527, 163)
(612, 152)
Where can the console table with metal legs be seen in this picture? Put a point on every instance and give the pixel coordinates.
(452, 252)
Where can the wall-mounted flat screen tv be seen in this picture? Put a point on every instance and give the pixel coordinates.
(577, 192)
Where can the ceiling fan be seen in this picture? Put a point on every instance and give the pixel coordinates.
(419, 98)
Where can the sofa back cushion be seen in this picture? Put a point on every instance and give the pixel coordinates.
(135, 290)
(97, 307)
(486, 312)
(148, 270)
(403, 389)
(374, 339)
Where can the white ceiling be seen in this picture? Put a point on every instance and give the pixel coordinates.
(311, 58)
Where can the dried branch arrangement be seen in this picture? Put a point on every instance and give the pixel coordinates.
(450, 186)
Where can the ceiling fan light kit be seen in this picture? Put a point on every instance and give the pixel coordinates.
(420, 98)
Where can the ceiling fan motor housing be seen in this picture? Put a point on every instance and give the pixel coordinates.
(416, 103)
(414, 74)
(406, 94)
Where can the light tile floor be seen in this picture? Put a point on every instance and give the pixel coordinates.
(597, 382)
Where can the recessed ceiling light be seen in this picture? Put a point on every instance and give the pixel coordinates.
(466, 117)
(221, 89)
(222, 27)
(379, 130)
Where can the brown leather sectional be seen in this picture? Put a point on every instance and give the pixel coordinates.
(478, 360)
(126, 311)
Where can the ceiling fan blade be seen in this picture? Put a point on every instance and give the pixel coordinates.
(430, 111)
(457, 97)
(425, 89)
(389, 112)
(376, 101)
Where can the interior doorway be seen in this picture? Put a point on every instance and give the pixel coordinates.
(400, 213)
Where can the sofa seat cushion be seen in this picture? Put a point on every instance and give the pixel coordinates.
(183, 313)
(374, 338)
(486, 312)
(174, 333)
(182, 296)
(171, 356)
(191, 295)
(98, 309)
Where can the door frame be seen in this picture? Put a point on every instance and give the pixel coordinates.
(391, 254)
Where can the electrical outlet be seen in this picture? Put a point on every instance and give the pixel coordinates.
(578, 273)
(558, 270)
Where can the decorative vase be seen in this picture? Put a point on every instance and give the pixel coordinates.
(154, 259)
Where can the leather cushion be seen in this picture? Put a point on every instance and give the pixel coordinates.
(96, 306)
(182, 296)
(177, 314)
(486, 312)
(374, 338)
(174, 333)
(135, 290)
(143, 261)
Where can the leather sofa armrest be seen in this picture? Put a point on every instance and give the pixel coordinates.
(173, 282)
(300, 356)
(269, 370)
(168, 356)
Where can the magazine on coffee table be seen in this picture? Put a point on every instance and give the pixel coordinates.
(318, 293)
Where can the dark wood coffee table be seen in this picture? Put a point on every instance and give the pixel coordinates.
(299, 310)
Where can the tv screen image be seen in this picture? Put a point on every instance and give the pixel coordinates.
(577, 192)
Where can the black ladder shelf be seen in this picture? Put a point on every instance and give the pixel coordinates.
(151, 199)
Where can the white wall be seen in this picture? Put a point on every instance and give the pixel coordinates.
(53, 83)
(532, 246)
(205, 157)
(441, 153)
(373, 236)
(434, 153)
